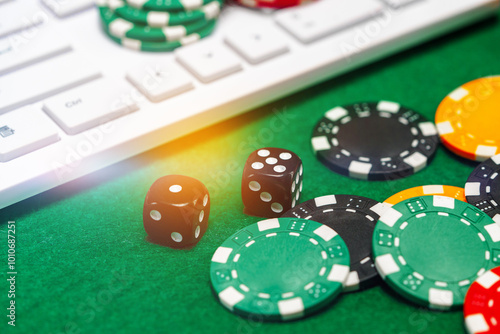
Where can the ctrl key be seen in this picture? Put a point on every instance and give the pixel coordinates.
(23, 131)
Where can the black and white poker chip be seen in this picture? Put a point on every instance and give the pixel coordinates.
(354, 219)
(374, 141)
(483, 187)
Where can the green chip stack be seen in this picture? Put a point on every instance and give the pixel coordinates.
(158, 25)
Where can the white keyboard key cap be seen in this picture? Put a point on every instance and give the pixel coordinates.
(42, 80)
(23, 131)
(317, 20)
(208, 61)
(16, 16)
(16, 53)
(90, 105)
(257, 44)
(63, 8)
(159, 81)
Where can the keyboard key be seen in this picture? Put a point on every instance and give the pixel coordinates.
(44, 79)
(16, 16)
(159, 81)
(208, 61)
(63, 8)
(317, 20)
(15, 55)
(257, 44)
(23, 131)
(90, 105)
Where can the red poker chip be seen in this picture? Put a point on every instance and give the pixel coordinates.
(482, 304)
(272, 3)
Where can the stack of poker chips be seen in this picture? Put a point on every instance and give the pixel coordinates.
(158, 25)
(272, 3)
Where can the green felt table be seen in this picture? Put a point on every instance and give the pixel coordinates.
(84, 265)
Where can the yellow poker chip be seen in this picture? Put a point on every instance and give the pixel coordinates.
(448, 191)
(467, 119)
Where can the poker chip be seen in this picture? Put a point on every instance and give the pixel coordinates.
(429, 249)
(272, 3)
(482, 304)
(279, 269)
(138, 45)
(374, 141)
(162, 19)
(483, 187)
(467, 119)
(167, 5)
(448, 191)
(157, 31)
(121, 28)
(353, 218)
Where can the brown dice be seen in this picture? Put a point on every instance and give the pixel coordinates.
(176, 211)
(272, 182)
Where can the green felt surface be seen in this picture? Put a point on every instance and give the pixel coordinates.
(82, 260)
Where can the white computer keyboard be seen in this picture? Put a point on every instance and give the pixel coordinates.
(73, 102)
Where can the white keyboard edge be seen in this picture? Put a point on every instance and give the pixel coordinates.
(150, 127)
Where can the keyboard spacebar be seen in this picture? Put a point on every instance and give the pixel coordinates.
(39, 81)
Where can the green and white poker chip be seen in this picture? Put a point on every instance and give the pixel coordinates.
(121, 28)
(430, 249)
(168, 5)
(156, 19)
(139, 45)
(280, 269)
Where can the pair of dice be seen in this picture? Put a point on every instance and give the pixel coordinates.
(177, 207)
